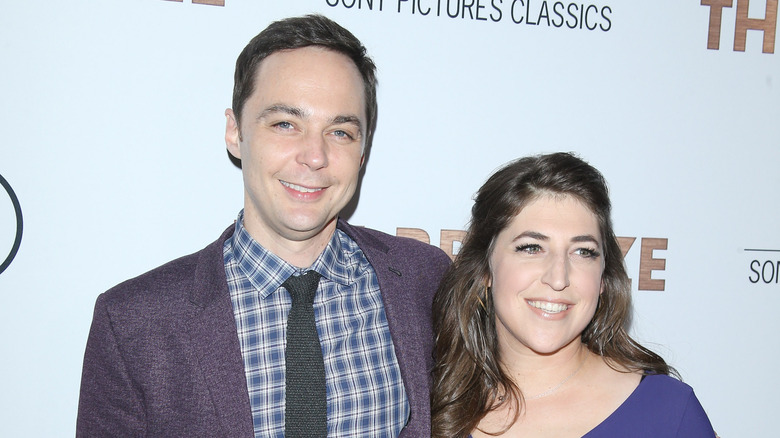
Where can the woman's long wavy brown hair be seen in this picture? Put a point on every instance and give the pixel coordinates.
(467, 375)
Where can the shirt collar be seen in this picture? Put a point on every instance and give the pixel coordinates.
(266, 271)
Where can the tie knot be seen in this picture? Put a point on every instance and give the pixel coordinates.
(302, 287)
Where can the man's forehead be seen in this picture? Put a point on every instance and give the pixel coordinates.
(301, 56)
(283, 77)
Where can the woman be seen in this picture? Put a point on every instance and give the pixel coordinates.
(531, 319)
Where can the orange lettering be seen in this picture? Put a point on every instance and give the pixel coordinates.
(716, 18)
(447, 239)
(768, 25)
(625, 244)
(414, 233)
(648, 264)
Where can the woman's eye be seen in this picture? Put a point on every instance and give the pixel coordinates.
(587, 253)
(529, 248)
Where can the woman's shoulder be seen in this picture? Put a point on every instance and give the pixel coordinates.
(660, 406)
(664, 386)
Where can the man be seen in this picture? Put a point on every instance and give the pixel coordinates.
(198, 347)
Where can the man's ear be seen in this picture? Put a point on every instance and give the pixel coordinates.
(232, 134)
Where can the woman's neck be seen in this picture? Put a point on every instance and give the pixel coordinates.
(539, 375)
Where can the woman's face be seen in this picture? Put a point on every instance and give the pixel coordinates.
(546, 271)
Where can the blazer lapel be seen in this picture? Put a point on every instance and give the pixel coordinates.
(215, 343)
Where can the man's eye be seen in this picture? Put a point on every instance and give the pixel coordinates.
(529, 248)
(283, 125)
(343, 134)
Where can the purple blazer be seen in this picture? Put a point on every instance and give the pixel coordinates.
(163, 356)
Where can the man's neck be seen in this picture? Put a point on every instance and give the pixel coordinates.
(299, 251)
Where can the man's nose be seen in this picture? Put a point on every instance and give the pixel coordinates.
(314, 151)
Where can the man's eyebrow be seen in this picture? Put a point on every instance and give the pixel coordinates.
(347, 119)
(281, 108)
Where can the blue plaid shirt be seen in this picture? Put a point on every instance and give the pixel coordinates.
(366, 396)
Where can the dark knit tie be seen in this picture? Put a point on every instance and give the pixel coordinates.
(306, 412)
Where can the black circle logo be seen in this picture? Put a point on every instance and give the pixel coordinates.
(18, 211)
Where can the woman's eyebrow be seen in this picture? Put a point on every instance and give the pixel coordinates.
(532, 234)
(585, 238)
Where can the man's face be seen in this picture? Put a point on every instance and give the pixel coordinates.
(301, 141)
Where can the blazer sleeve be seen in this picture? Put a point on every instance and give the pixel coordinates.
(109, 405)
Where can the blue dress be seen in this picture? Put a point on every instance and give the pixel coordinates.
(660, 407)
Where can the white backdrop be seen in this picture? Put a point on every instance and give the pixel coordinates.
(111, 134)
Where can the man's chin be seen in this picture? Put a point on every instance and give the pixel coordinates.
(301, 230)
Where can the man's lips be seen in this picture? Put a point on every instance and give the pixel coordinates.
(299, 188)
